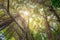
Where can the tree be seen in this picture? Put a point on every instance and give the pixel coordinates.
(30, 20)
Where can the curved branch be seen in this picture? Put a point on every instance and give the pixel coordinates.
(5, 24)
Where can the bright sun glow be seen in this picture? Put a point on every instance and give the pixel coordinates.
(24, 12)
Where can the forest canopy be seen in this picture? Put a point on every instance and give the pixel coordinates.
(30, 19)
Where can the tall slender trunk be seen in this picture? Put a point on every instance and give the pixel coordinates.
(17, 22)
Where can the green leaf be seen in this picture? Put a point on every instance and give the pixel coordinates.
(56, 3)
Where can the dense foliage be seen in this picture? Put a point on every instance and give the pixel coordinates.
(30, 19)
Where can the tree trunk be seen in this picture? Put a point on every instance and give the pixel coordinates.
(18, 23)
